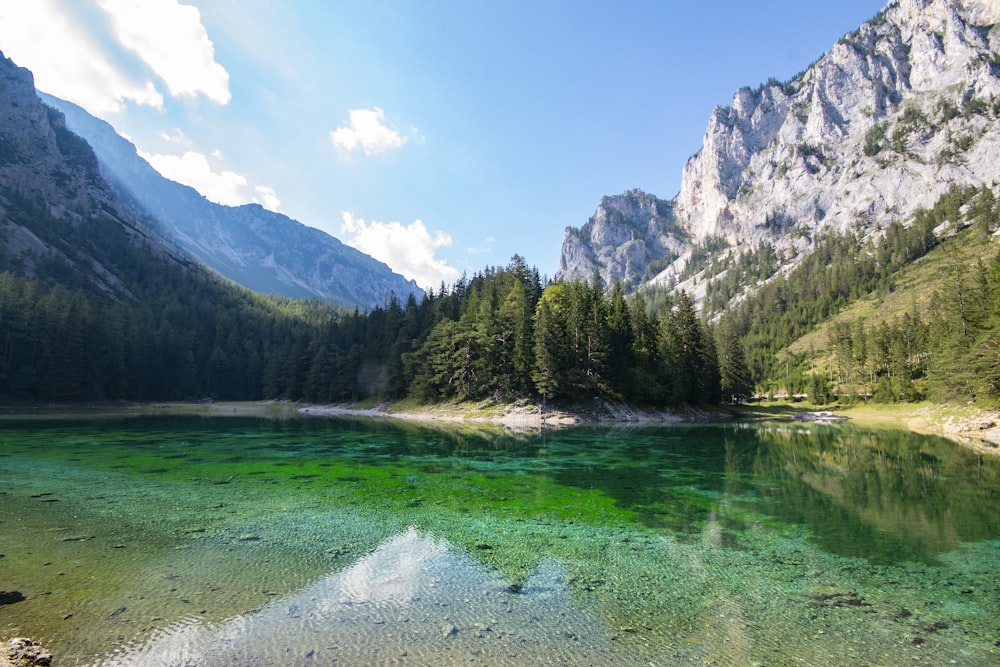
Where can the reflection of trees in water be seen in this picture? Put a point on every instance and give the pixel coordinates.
(885, 495)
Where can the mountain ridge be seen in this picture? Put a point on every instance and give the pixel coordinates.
(624, 236)
(259, 249)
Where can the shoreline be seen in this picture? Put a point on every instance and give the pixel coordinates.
(519, 415)
(974, 427)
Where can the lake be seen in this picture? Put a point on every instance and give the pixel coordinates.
(198, 541)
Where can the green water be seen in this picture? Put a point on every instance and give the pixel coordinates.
(192, 541)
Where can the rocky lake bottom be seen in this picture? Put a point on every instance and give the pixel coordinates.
(195, 541)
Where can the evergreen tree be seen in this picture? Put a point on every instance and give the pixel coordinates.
(734, 376)
(620, 359)
(552, 345)
(688, 355)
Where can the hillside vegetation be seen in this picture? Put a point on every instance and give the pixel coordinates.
(913, 314)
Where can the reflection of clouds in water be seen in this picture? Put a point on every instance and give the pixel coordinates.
(393, 574)
(390, 574)
(414, 600)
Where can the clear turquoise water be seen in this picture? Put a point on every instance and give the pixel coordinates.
(194, 541)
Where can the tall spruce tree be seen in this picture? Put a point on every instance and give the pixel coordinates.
(734, 376)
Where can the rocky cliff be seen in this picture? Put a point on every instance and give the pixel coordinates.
(261, 250)
(56, 210)
(626, 239)
(895, 114)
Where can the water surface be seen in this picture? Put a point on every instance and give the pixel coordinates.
(194, 541)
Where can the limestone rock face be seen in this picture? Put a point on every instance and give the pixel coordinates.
(40, 160)
(891, 117)
(896, 113)
(624, 238)
(56, 209)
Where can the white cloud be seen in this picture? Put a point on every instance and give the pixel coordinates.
(366, 131)
(170, 38)
(408, 250)
(175, 136)
(62, 50)
(218, 185)
(267, 197)
(194, 169)
(66, 62)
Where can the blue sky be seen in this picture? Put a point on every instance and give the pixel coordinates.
(438, 136)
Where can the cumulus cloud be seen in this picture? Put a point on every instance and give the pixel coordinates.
(66, 62)
(65, 52)
(170, 38)
(218, 185)
(366, 131)
(408, 250)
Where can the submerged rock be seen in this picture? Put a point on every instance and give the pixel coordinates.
(829, 596)
(10, 597)
(23, 652)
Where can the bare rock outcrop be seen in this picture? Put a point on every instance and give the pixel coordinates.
(627, 235)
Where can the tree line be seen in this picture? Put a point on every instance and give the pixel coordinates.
(502, 334)
(949, 351)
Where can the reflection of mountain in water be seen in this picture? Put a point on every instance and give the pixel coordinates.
(412, 598)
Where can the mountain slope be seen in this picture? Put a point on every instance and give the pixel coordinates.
(58, 217)
(264, 251)
(93, 305)
(882, 124)
(898, 112)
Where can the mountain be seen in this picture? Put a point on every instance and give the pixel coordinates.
(628, 236)
(894, 116)
(58, 217)
(261, 250)
(95, 305)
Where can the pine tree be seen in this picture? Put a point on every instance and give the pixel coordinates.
(688, 355)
